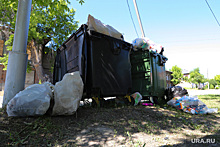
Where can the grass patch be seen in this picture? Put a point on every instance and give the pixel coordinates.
(212, 101)
(152, 121)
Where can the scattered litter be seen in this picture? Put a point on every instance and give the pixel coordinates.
(147, 104)
(33, 101)
(137, 98)
(191, 104)
(98, 26)
(67, 94)
(175, 91)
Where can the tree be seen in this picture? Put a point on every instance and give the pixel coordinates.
(186, 79)
(51, 22)
(217, 79)
(212, 82)
(196, 77)
(177, 75)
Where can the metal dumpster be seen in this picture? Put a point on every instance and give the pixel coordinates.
(148, 74)
(103, 61)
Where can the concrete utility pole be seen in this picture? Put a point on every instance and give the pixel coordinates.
(139, 19)
(17, 61)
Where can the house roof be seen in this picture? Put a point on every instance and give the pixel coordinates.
(185, 71)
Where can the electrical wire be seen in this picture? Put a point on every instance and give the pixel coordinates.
(132, 19)
(212, 12)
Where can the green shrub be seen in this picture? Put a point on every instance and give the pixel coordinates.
(216, 87)
(212, 86)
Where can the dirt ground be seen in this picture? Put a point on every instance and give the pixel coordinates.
(113, 126)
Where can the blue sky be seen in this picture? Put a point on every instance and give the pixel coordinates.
(186, 28)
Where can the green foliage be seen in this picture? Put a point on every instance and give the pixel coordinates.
(9, 42)
(186, 79)
(177, 75)
(206, 87)
(29, 67)
(196, 77)
(4, 61)
(50, 21)
(217, 79)
(81, 1)
(211, 86)
(212, 82)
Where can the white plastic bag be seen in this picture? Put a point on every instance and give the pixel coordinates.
(98, 26)
(67, 94)
(34, 100)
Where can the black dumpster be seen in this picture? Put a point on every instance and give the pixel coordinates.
(103, 61)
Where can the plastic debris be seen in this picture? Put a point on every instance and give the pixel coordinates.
(33, 101)
(146, 44)
(191, 104)
(175, 91)
(140, 43)
(137, 98)
(147, 104)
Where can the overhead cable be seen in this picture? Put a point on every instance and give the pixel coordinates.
(132, 19)
(212, 12)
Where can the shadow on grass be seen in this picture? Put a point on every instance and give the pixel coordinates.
(198, 140)
(99, 125)
(208, 97)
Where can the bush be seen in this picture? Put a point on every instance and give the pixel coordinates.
(212, 86)
(216, 87)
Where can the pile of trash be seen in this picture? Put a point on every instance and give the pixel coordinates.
(175, 91)
(191, 104)
(146, 44)
(63, 98)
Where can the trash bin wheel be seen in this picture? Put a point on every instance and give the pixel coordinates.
(154, 99)
(97, 101)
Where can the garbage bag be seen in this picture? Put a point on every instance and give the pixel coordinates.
(67, 94)
(33, 101)
(175, 91)
(191, 104)
(98, 26)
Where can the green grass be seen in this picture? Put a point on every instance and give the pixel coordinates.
(212, 101)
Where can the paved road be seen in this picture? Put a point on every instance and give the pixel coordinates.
(203, 92)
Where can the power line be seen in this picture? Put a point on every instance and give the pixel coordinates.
(132, 19)
(212, 12)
